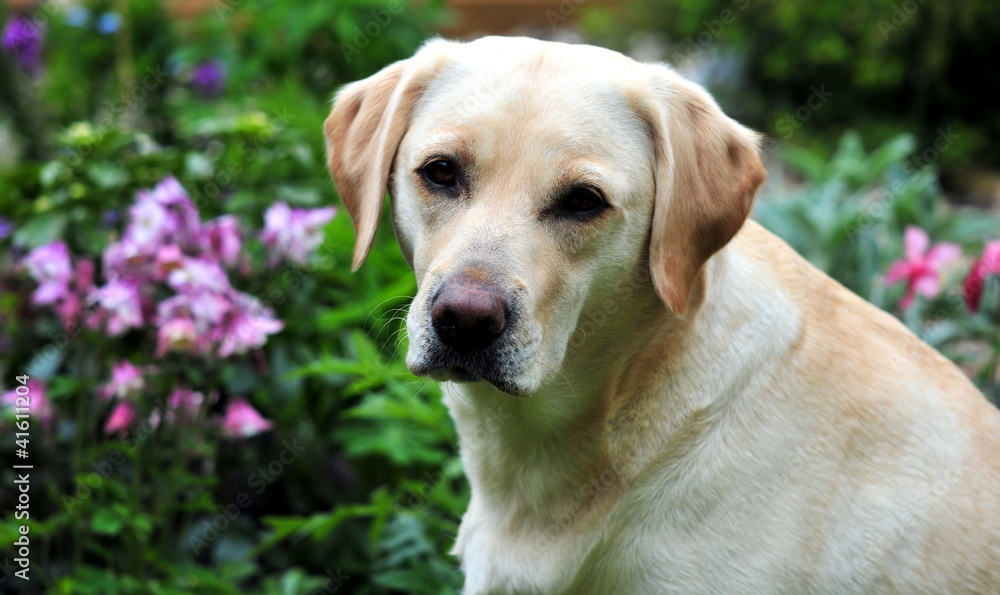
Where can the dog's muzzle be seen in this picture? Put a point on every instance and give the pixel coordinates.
(470, 334)
(469, 315)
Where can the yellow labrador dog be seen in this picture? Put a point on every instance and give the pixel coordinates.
(687, 406)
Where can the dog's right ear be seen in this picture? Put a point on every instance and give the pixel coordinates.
(363, 132)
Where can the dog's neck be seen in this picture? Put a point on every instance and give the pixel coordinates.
(593, 429)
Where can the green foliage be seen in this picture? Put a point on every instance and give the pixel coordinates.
(892, 65)
(847, 215)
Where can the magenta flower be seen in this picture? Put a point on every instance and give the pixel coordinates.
(186, 403)
(51, 267)
(293, 234)
(178, 334)
(124, 260)
(150, 224)
(206, 309)
(22, 39)
(986, 265)
(220, 240)
(169, 258)
(242, 420)
(922, 267)
(196, 274)
(122, 302)
(126, 379)
(121, 418)
(249, 325)
(39, 405)
(185, 223)
(84, 275)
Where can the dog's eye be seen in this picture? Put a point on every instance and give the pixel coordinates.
(582, 201)
(441, 172)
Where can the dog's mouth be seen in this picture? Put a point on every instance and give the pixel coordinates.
(466, 373)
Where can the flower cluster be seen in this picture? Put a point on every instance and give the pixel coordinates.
(169, 272)
(921, 268)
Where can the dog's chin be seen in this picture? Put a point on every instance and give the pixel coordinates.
(465, 375)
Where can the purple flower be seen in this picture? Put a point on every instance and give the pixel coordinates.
(208, 79)
(294, 233)
(22, 39)
(178, 334)
(186, 222)
(197, 274)
(121, 300)
(121, 418)
(51, 267)
(242, 420)
(126, 379)
(124, 260)
(6, 227)
(206, 309)
(150, 223)
(248, 326)
(220, 240)
(186, 403)
(38, 403)
(169, 258)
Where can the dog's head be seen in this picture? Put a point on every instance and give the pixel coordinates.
(529, 181)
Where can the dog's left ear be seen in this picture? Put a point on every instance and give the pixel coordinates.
(706, 171)
(363, 133)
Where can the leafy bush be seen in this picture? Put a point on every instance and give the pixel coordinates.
(891, 65)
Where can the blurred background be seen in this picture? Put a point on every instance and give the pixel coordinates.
(219, 406)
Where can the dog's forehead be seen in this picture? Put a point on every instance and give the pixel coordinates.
(506, 91)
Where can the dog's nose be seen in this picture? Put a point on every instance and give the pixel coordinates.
(469, 315)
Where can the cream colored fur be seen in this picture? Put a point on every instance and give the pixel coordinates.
(688, 405)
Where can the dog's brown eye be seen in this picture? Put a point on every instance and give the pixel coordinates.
(582, 201)
(441, 172)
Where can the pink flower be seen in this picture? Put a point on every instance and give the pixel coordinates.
(293, 234)
(51, 267)
(922, 267)
(38, 405)
(242, 420)
(150, 223)
(248, 327)
(205, 308)
(198, 274)
(169, 193)
(121, 418)
(121, 300)
(178, 334)
(69, 310)
(84, 274)
(220, 240)
(186, 403)
(986, 265)
(126, 379)
(169, 258)
(124, 260)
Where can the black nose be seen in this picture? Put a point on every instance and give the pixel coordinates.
(469, 315)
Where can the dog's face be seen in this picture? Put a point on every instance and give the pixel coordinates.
(529, 180)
